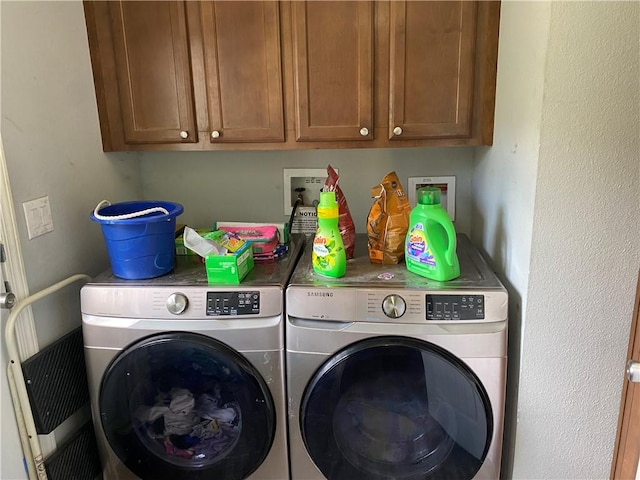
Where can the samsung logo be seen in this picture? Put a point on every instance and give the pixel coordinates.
(319, 294)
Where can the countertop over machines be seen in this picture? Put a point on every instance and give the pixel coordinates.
(190, 271)
(474, 271)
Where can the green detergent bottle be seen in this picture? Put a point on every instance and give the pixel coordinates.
(329, 257)
(430, 246)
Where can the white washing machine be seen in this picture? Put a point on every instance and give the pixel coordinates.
(393, 376)
(186, 378)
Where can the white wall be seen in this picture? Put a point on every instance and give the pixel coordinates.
(504, 178)
(247, 186)
(585, 245)
(571, 252)
(49, 125)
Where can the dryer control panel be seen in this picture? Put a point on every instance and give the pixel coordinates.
(233, 303)
(414, 306)
(455, 307)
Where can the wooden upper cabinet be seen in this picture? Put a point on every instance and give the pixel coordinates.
(432, 58)
(216, 75)
(333, 70)
(243, 72)
(151, 55)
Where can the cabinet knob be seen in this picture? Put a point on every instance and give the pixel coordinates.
(397, 131)
(215, 134)
(184, 134)
(364, 131)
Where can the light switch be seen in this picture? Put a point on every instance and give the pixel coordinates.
(38, 216)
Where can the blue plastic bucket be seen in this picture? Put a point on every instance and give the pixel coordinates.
(140, 247)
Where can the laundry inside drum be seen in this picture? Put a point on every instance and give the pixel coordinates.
(186, 426)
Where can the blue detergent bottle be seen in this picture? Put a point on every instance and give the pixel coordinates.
(430, 246)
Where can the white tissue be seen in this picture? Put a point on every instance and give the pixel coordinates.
(201, 246)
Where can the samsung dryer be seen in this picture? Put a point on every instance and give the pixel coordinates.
(392, 375)
(186, 378)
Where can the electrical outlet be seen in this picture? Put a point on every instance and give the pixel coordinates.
(303, 183)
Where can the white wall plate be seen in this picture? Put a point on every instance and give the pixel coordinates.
(447, 186)
(310, 179)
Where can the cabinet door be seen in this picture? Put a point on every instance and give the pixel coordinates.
(333, 70)
(243, 68)
(432, 56)
(151, 52)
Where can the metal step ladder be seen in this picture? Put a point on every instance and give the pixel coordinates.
(46, 389)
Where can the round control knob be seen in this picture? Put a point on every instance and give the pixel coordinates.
(397, 131)
(364, 131)
(394, 306)
(177, 303)
(184, 134)
(215, 134)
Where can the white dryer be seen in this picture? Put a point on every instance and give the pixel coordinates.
(391, 375)
(187, 379)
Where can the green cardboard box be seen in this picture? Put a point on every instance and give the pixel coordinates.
(230, 268)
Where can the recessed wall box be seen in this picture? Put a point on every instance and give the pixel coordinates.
(447, 185)
(303, 183)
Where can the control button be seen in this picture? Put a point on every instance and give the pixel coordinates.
(177, 303)
(394, 306)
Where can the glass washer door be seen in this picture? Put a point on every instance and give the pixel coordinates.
(396, 407)
(182, 405)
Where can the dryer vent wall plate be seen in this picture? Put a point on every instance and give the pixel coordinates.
(447, 186)
(303, 183)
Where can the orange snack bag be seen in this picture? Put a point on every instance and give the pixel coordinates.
(388, 221)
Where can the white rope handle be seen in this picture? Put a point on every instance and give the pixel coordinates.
(127, 215)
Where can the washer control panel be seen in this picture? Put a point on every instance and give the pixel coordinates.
(233, 303)
(455, 307)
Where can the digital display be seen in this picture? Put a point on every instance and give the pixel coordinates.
(233, 303)
(455, 307)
